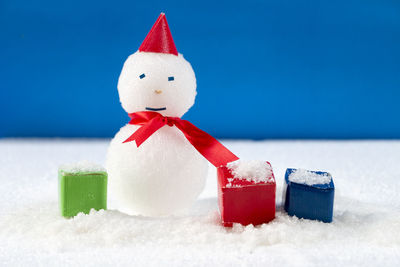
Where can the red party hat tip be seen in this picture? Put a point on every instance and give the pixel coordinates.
(159, 39)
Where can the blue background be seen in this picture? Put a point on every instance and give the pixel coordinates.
(265, 69)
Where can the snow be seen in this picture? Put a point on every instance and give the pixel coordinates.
(257, 171)
(302, 176)
(83, 166)
(364, 231)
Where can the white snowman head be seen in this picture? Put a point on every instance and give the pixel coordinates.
(157, 78)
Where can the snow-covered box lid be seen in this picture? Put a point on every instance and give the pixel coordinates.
(311, 178)
(249, 172)
(81, 167)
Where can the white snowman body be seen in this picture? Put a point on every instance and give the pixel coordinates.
(166, 173)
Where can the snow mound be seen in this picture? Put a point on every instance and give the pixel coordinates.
(302, 176)
(251, 170)
(44, 232)
(364, 231)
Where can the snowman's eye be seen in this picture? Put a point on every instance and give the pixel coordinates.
(171, 78)
(142, 76)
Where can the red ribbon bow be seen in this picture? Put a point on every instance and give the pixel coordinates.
(208, 146)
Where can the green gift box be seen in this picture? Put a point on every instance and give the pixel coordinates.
(82, 187)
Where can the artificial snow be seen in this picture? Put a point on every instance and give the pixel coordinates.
(256, 171)
(302, 176)
(83, 166)
(364, 231)
(230, 183)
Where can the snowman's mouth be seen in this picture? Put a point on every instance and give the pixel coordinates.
(155, 109)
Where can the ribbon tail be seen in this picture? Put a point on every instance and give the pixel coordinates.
(144, 132)
(215, 152)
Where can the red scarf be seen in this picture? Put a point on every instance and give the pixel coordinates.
(208, 146)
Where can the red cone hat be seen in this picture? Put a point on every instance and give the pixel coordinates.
(159, 39)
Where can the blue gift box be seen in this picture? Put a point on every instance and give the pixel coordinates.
(314, 202)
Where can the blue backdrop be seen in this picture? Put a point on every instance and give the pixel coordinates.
(265, 69)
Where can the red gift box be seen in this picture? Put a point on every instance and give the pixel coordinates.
(245, 202)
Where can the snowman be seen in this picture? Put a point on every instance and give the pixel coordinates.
(165, 174)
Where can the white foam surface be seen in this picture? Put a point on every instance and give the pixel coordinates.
(364, 231)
